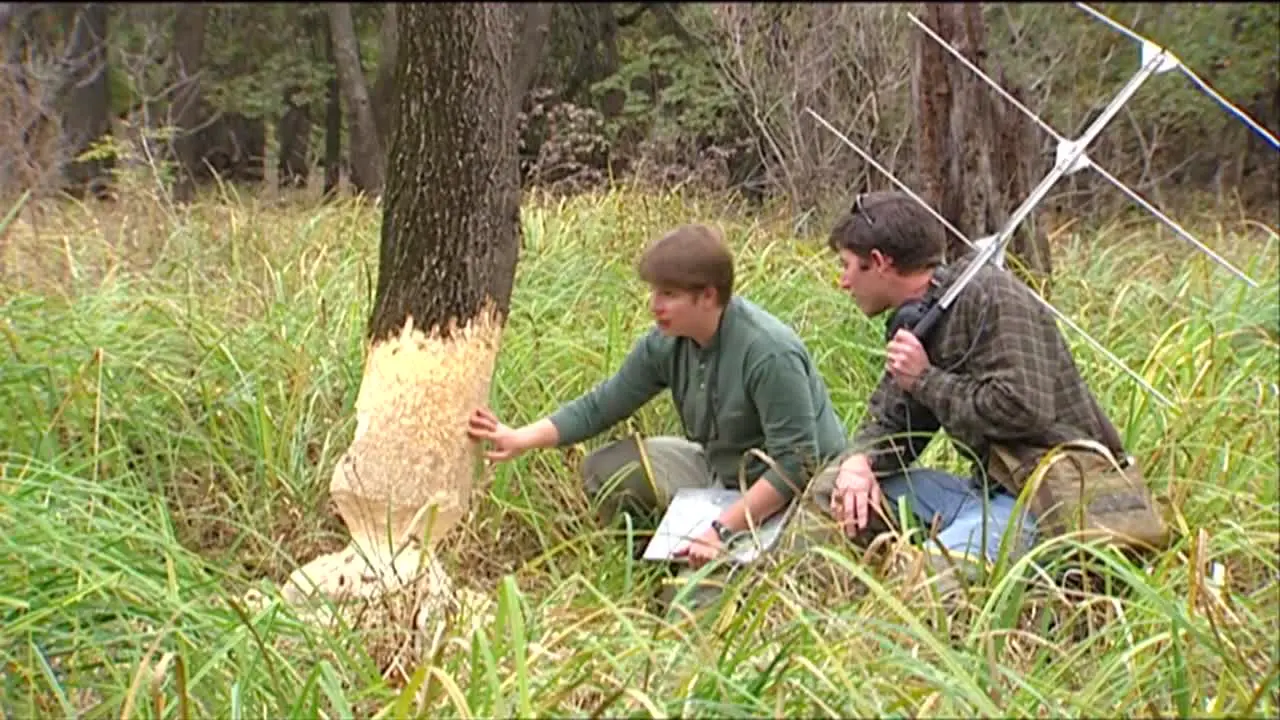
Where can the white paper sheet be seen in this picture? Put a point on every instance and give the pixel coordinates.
(691, 512)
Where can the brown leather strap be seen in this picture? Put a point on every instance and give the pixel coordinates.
(1110, 436)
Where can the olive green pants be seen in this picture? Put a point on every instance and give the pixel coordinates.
(617, 484)
(615, 479)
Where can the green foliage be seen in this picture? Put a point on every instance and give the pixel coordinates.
(136, 61)
(664, 100)
(172, 413)
(1233, 46)
(120, 90)
(252, 54)
(671, 93)
(253, 72)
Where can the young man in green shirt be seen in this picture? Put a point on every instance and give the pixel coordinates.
(740, 379)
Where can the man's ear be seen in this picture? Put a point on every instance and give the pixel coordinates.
(880, 261)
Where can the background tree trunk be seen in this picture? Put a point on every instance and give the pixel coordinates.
(368, 161)
(332, 120)
(450, 237)
(535, 26)
(294, 133)
(384, 89)
(188, 47)
(976, 158)
(86, 114)
(931, 88)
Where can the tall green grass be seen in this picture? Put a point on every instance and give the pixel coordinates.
(175, 389)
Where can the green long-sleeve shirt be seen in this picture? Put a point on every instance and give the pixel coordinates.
(753, 386)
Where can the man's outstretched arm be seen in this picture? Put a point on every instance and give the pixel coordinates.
(638, 380)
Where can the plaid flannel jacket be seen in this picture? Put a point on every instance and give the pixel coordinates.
(1000, 371)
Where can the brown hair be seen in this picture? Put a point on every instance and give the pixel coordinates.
(894, 224)
(690, 257)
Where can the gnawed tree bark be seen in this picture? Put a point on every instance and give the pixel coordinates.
(450, 237)
(368, 161)
(976, 155)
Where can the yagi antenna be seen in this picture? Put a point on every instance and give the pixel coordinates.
(1070, 158)
(1155, 60)
(1178, 65)
(988, 244)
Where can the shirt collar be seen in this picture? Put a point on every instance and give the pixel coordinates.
(731, 310)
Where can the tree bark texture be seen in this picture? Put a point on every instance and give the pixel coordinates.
(932, 90)
(976, 155)
(535, 26)
(16, 102)
(450, 234)
(368, 161)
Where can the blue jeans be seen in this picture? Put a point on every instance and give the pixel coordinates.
(961, 509)
(959, 505)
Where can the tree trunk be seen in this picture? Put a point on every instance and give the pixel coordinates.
(332, 121)
(16, 102)
(368, 162)
(294, 133)
(188, 48)
(450, 237)
(591, 26)
(86, 114)
(49, 122)
(384, 89)
(977, 157)
(535, 26)
(931, 86)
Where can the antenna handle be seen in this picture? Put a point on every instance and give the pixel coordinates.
(922, 328)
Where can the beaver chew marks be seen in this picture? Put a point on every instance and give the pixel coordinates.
(410, 466)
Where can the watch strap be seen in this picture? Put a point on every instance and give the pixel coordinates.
(724, 533)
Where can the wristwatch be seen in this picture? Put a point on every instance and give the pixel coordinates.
(722, 532)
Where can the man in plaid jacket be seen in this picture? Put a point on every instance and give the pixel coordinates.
(994, 369)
